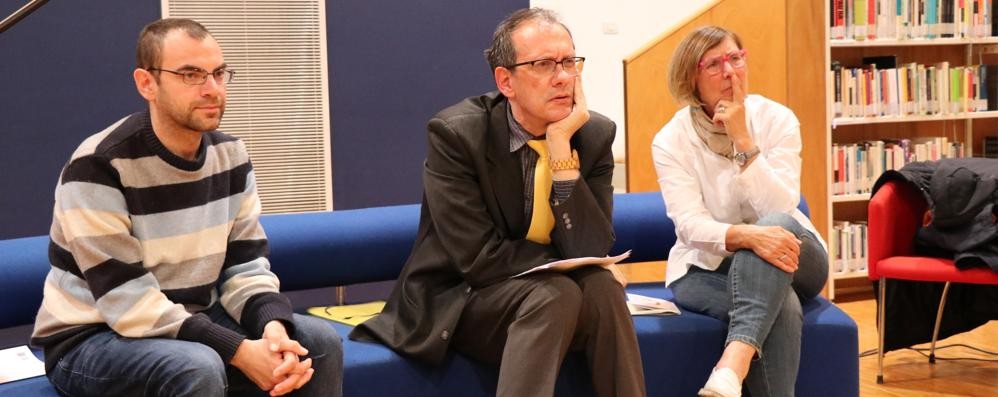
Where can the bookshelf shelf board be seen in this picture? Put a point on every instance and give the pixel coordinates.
(912, 42)
(849, 198)
(911, 119)
(847, 275)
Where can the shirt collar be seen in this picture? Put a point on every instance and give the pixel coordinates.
(517, 135)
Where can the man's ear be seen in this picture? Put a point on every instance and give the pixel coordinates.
(503, 78)
(145, 83)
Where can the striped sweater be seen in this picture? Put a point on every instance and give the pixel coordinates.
(143, 240)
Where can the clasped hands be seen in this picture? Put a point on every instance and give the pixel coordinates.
(273, 361)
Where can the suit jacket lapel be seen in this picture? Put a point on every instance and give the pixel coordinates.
(505, 171)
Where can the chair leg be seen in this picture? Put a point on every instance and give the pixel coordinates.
(935, 329)
(881, 309)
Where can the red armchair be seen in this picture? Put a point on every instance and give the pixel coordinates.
(895, 213)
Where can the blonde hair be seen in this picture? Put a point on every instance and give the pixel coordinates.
(686, 61)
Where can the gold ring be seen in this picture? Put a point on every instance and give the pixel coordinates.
(721, 109)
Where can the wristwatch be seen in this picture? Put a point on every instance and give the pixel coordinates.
(570, 164)
(742, 158)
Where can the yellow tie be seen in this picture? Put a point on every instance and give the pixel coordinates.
(542, 220)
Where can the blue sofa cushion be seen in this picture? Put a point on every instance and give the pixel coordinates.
(324, 249)
(685, 347)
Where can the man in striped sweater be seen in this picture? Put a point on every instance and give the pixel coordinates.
(160, 283)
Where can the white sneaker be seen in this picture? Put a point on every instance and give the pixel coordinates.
(723, 382)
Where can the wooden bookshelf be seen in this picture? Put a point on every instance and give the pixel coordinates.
(969, 128)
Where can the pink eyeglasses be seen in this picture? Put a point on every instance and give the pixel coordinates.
(715, 65)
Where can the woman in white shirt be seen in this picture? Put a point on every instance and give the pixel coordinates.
(729, 165)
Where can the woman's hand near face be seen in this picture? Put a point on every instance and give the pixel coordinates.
(731, 113)
(773, 244)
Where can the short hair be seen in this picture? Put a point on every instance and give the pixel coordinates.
(149, 51)
(502, 52)
(686, 61)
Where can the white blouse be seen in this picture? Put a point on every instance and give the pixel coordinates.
(705, 193)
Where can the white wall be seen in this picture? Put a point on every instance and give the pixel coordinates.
(606, 32)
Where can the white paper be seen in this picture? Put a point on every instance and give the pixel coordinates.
(18, 363)
(640, 305)
(565, 265)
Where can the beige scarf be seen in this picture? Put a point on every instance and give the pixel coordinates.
(715, 137)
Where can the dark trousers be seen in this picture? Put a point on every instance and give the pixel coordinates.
(526, 326)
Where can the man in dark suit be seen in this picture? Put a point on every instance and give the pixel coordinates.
(483, 221)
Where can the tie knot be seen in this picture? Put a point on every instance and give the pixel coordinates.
(539, 146)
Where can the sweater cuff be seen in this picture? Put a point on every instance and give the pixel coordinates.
(264, 308)
(199, 328)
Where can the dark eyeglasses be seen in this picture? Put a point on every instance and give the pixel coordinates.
(199, 76)
(572, 66)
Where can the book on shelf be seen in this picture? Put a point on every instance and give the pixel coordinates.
(849, 250)
(911, 89)
(837, 88)
(838, 25)
(911, 19)
(859, 14)
(857, 166)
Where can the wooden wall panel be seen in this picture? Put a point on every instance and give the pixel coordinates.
(806, 96)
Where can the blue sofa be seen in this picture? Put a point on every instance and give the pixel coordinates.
(347, 247)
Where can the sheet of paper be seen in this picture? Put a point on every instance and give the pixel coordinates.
(565, 265)
(640, 305)
(18, 363)
(349, 314)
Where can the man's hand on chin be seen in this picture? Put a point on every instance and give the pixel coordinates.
(560, 133)
(562, 130)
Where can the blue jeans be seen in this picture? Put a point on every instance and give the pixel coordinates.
(107, 364)
(761, 305)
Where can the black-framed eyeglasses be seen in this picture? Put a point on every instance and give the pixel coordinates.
(572, 66)
(199, 76)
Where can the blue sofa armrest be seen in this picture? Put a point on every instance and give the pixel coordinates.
(642, 226)
(22, 277)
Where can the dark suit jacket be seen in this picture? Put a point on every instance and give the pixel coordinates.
(472, 226)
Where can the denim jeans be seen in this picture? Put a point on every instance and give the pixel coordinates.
(761, 305)
(107, 364)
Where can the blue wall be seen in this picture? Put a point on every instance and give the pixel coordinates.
(393, 65)
(65, 73)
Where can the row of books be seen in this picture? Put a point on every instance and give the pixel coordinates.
(911, 19)
(856, 166)
(913, 89)
(847, 247)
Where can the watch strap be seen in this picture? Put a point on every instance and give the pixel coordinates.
(742, 158)
(567, 164)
